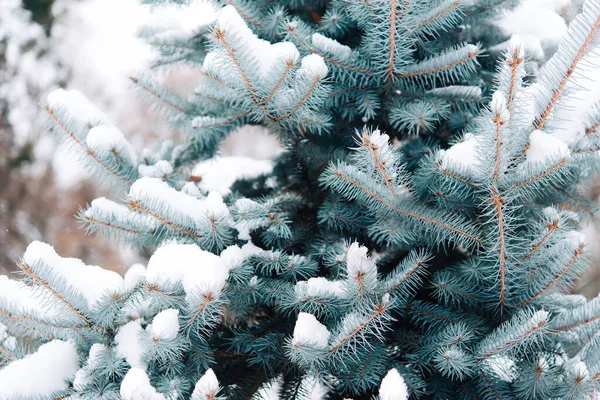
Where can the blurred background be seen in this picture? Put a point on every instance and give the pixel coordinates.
(94, 46)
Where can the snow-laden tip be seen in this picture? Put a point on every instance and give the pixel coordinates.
(40, 374)
(77, 105)
(309, 332)
(165, 325)
(393, 386)
(108, 139)
(128, 346)
(206, 387)
(462, 154)
(219, 173)
(136, 386)
(90, 281)
(196, 269)
(543, 147)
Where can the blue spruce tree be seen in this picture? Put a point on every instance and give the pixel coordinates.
(416, 239)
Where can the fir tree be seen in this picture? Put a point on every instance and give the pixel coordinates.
(435, 265)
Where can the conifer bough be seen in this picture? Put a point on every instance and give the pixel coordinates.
(416, 238)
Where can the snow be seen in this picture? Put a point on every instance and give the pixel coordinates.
(537, 19)
(313, 66)
(16, 294)
(378, 141)
(105, 139)
(165, 325)
(341, 52)
(109, 209)
(310, 332)
(313, 389)
(159, 170)
(77, 105)
(254, 141)
(269, 391)
(319, 287)
(41, 373)
(572, 118)
(528, 45)
(358, 261)
(128, 346)
(178, 202)
(576, 238)
(206, 387)
(82, 376)
(544, 146)
(267, 54)
(393, 386)
(136, 386)
(196, 269)
(234, 256)
(503, 367)
(173, 21)
(134, 275)
(498, 106)
(462, 154)
(91, 281)
(219, 173)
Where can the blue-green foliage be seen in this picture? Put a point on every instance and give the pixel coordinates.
(423, 219)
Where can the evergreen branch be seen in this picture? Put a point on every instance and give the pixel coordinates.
(578, 252)
(289, 65)
(302, 100)
(220, 35)
(536, 178)
(291, 29)
(551, 228)
(490, 384)
(575, 326)
(85, 149)
(469, 56)
(404, 212)
(207, 299)
(27, 269)
(439, 15)
(219, 81)
(458, 178)
(563, 83)
(20, 321)
(390, 71)
(578, 202)
(379, 310)
(156, 95)
(244, 15)
(75, 328)
(497, 203)
(592, 129)
(135, 205)
(420, 262)
(514, 68)
(366, 142)
(410, 309)
(92, 220)
(223, 122)
(7, 353)
(506, 337)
